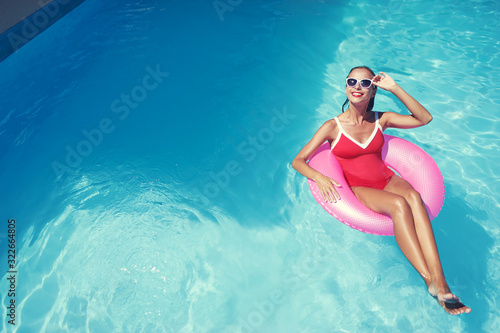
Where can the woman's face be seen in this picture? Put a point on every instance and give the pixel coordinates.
(358, 94)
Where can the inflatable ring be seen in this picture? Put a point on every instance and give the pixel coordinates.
(407, 159)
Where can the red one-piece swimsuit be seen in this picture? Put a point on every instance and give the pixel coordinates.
(362, 163)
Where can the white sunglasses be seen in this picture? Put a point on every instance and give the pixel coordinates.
(352, 82)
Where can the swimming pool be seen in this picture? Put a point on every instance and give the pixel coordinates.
(146, 158)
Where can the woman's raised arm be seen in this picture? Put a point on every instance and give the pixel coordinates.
(419, 115)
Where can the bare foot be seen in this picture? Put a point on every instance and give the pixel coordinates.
(450, 303)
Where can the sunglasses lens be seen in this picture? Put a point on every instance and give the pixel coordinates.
(365, 83)
(351, 82)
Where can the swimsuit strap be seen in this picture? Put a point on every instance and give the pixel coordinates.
(377, 123)
(341, 130)
(338, 122)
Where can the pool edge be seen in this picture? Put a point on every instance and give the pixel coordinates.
(25, 30)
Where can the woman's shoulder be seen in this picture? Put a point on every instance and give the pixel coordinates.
(330, 124)
(329, 129)
(384, 118)
(384, 114)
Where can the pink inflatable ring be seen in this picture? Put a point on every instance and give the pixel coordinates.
(410, 161)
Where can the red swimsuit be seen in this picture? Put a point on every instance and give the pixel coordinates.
(362, 163)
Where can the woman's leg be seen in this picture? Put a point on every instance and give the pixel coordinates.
(422, 223)
(413, 233)
(438, 287)
(397, 208)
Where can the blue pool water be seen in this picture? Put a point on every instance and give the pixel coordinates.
(146, 152)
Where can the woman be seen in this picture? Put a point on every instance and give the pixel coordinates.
(356, 140)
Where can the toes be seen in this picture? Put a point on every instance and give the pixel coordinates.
(451, 304)
(455, 308)
(460, 311)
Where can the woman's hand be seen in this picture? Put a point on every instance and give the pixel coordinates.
(326, 186)
(384, 81)
(419, 114)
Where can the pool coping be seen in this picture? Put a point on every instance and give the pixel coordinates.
(33, 24)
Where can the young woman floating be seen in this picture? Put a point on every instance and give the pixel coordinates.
(356, 140)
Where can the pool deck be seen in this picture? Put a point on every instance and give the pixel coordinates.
(14, 11)
(23, 20)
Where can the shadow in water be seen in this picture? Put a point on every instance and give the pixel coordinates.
(465, 248)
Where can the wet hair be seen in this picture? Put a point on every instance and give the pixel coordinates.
(372, 100)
